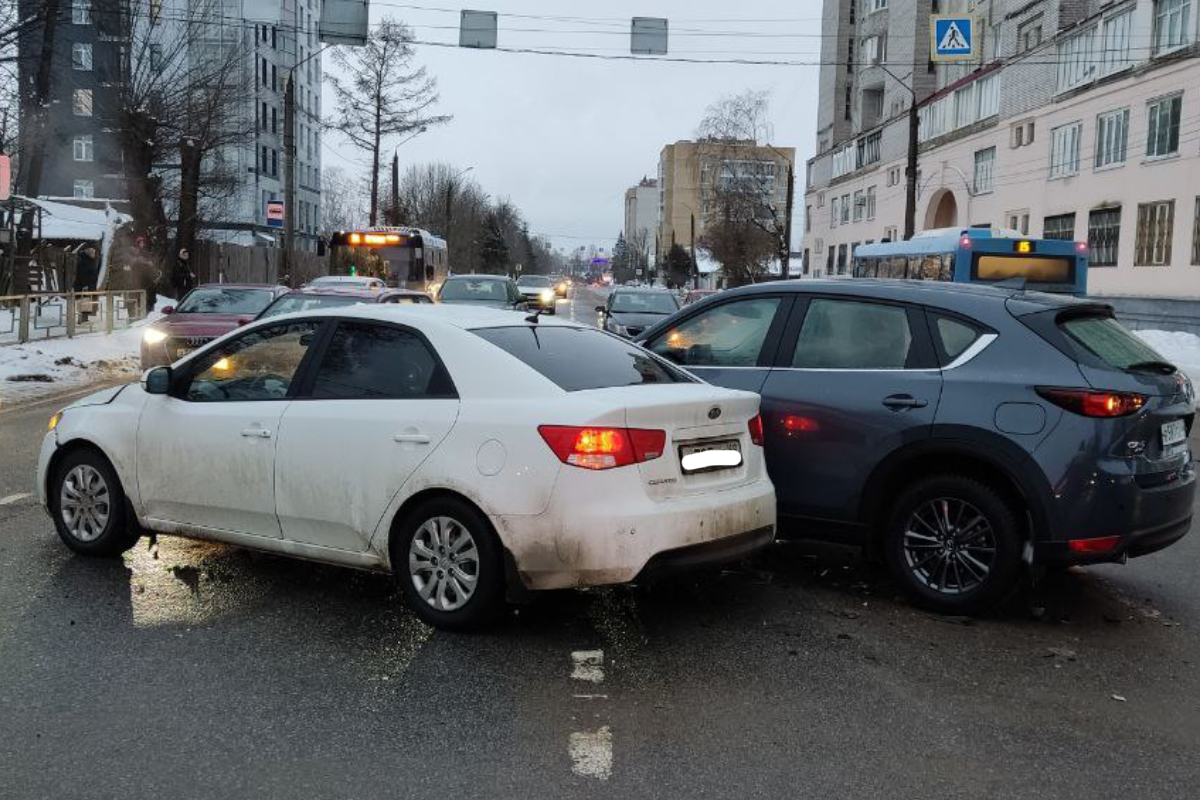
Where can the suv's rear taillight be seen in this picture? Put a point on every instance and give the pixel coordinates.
(756, 429)
(603, 448)
(1094, 404)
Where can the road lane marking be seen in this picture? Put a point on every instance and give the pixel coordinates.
(592, 753)
(588, 665)
(13, 498)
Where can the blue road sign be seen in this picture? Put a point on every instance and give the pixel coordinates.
(953, 37)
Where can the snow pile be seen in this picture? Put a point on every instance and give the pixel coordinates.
(49, 366)
(1181, 349)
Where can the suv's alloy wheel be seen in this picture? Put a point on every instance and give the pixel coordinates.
(953, 543)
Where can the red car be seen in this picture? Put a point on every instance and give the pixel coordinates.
(321, 296)
(203, 314)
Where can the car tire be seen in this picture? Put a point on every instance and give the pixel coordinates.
(954, 545)
(88, 506)
(432, 562)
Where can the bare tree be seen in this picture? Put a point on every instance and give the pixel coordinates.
(341, 200)
(382, 95)
(745, 227)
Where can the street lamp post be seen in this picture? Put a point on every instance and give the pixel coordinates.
(289, 159)
(395, 215)
(449, 209)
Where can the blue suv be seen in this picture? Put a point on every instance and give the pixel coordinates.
(961, 433)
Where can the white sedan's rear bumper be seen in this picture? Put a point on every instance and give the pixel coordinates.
(607, 540)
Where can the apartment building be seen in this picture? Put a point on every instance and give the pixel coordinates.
(82, 152)
(272, 50)
(641, 218)
(1081, 120)
(688, 171)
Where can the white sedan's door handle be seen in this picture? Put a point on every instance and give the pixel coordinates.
(256, 433)
(414, 438)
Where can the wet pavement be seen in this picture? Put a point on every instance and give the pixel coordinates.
(199, 670)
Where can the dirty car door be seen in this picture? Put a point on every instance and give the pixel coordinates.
(377, 405)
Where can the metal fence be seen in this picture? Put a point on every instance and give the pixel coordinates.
(48, 315)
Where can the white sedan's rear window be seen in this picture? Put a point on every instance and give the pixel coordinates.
(582, 358)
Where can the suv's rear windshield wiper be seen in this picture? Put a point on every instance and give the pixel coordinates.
(1164, 367)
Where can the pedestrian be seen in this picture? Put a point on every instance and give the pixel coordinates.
(184, 278)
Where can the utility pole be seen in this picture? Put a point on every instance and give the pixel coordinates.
(910, 171)
(395, 215)
(695, 263)
(289, 171)
(787, 231)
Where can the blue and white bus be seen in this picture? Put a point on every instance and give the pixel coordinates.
(978, 255)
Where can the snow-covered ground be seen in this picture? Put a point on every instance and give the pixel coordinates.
(1181, 349)
(36, 369)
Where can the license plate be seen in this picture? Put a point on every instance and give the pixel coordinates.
(1173, 433)
(710, 456)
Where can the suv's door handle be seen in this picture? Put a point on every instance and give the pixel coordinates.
(897, 402)
(415, 438)
(256, 433)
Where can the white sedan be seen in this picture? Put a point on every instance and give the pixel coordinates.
(473, 453)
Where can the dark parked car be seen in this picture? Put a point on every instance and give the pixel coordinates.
(204, 313)
(629, 311)
(957, 431)
(495, 291)
(310, 297)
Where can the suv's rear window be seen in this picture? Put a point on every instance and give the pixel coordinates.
(582, 358)
(1109, 341)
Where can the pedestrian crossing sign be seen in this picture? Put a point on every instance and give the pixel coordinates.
(953, 37)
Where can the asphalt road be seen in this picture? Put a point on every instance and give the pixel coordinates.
(194, 670)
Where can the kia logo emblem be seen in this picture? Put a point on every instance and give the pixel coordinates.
(714, 412)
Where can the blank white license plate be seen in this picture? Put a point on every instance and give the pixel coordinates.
(709, 456)
(1173, 433)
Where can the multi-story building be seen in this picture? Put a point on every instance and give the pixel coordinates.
(689, 171)
(1080, 120)
(272, 51)
(641, 218)
(82, 155)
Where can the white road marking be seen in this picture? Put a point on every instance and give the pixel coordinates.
(592, 754)
(590, 696)
(12, 498)
(588, 665)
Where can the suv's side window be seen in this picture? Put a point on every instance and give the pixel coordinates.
(847, 334)
(728, 335)
(952, 336)
(365, 361)
(259, 365)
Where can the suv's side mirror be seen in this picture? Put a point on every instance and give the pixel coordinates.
(157, 380)
(169, 310)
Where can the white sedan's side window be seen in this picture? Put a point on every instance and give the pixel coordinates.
(257, 366)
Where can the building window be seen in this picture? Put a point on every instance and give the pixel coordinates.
(1019, 222)
(81, 57)
(274, 78)
(84, 189)
(275, 163)
(1196, 235)
(989, 96)
(1171, 29)
(1104, 235)
(1064, 150)
(820, 199)
(833, 212)
(984, 162)
(1061, 226)
(1114, 39)
(807, 219)
(81, 12)
(966, 106)
(263, 167)
(155, 10)
(156, 57)
(1112, 136)
(877, 5)
(870, 202)
(1029, 34)
(892, 234)
(845, 220)
(841, 259)
(860, 204)
(83, 148)
(274, 119)
(1076, 65)
(1022, 134)
(81, 103)
(868, 149)
(1155, 223)
(1162, 138)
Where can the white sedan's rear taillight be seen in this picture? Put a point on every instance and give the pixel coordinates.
(603, 448)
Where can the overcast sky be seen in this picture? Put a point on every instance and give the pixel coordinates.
(564, 137)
